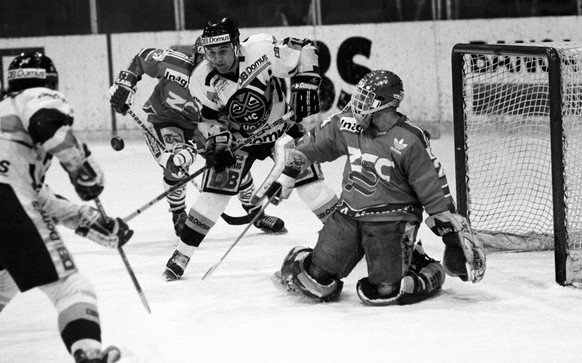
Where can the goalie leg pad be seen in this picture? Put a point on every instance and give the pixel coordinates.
(295, 278)
(414, 287)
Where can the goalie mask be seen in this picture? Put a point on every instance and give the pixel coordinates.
(30, 70)
(376, 91)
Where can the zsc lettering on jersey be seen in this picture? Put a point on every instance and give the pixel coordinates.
(367, 168)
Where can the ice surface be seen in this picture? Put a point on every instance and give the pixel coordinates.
(517, 313)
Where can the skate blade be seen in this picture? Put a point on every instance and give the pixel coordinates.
(282, 231)
(169, 275)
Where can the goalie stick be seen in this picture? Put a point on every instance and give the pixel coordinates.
(258, 132)
(152, 137)
(140, 292)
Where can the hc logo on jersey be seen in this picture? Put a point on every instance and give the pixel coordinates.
(248, 108)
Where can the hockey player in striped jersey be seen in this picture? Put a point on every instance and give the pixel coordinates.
(174, 115)
(240, 88)
(35, 126)
(390, 178)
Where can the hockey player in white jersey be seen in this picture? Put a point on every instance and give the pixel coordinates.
(173, 114)
(35, 126)
(241, 91)
(390, 178)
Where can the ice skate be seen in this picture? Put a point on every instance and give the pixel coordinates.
(179, 219)
(109, 355)
(270, 224)
(175, 266)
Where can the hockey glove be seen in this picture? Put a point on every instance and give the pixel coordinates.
(88, 178)
(111, 233)
(218, 153)
(178, 160)
(463, 257)
(122, 91)
(184, 155)
(283, 187)
(304, 96)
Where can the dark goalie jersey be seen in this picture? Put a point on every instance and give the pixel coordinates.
(388, 176)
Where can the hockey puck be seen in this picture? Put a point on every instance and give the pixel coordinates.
(117, 143)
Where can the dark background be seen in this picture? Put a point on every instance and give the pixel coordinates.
(26, 18)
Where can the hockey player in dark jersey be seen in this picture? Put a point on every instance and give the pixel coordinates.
(390, 178)
(240, 89)
(174, 115)
(36, 123)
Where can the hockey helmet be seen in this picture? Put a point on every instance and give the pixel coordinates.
(377, 90)
(223, 31)
(198, 53)
(30, 70)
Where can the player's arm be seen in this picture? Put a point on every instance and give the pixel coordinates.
(150, 61)
(291, 157)
(84, 220)
(463, 257)
(305, 83)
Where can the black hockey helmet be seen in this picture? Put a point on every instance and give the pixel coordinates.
(30, 70)
(223, 31)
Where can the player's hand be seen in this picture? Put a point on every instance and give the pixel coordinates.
(184, 155)
(110, 232)
(305, 96)
(123, 91)
(218, 153)
(88, 179)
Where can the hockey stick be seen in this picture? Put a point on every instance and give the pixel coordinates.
(126, 262)
(215, 266)
(244, 143)
(151, 136)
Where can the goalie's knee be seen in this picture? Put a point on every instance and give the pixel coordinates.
(295, 277)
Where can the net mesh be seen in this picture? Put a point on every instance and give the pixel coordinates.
(508, 148)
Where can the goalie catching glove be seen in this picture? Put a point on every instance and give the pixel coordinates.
(123, 91)
(111, 233)
(305, 96)
(217, 152)
(463, 257)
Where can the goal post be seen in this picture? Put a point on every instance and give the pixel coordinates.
(518, 147)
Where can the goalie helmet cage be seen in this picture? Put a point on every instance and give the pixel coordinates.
(518, 147)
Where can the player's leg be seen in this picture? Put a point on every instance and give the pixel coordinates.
(389, 248)
(315, 193)
(267, 223)
(34, 255)
(216, 191)
(75, 300)
(170, 135)
(317, 273)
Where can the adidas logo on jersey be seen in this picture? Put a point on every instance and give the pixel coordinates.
(399, 145)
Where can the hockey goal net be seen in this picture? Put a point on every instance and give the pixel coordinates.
(518, 147)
